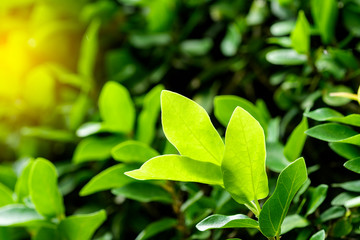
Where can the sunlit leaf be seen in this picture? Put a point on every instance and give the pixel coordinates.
(221, 221)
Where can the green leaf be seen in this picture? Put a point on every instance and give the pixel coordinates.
(157, 227)
(113, 177)
(341, 228)
(146, 125)
(276, 207)
(316, 198)
(133, 151)
(178, 168)
(335, 100)
(325, 14)
(22, 184)
(353, 186)
(345, 150)
(47, 134)
(19, 215)
(296, 141)
(230, 44)
(197, 139)
(332, 213)
(285, 57)
(95, 148)
(351, 203)
(81, 226)
(221, 221)
(7, 176)
(243, 166)
(143, 192)
(282, 28)
(224, 107)
(46, 233)
(328, 114)
(353, 165)
(5, 195)
(89, 49)
(320, 235)
(293, 221)
(196, 47)
(43, 188)
(300, 36)
(117, 110)
(333, 132)
(275, 159)
(341, 199)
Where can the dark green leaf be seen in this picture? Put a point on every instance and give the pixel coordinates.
(293, 221)
(327, 114)
(157, 227)
(353, 186)
(332, 213)
(353, 165)
(316, 198)
(345, 150)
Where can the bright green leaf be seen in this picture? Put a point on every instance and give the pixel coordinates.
(81, 226)
(133, 151)
(300, 36)
(221, 221)
(22, 184)
(5, 195)
(43, 188)
(198, 139)
(351, 203)
(146, 125)
(178, 168)
(293, 221)
(144, 192)
(243, 165)
(113, 177)
(296, 141)
(325, 14)
(345, 150)
(117, 110)
(276, 207)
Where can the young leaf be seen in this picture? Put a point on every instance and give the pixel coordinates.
(157, 227)
(197, 139)
(320, 235)
(276, 207)
(18, 215)
(149, 115)
(296, 141)
(113, 177)
(95, 148)
(328, 114)
(353, 165)
(133, 151)
(143, 192)
(116, 107)
(325, 14)
(222, 221)
(316, 198)
(81, 226)
(43, 188)
(178, 168)
(300, 36)
(333, 132)
(243, 165)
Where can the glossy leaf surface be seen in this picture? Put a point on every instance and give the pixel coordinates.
(243, 165)
(328, 114)
(276, 207)
(320, 235)
(353, 165)
(221, 221)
